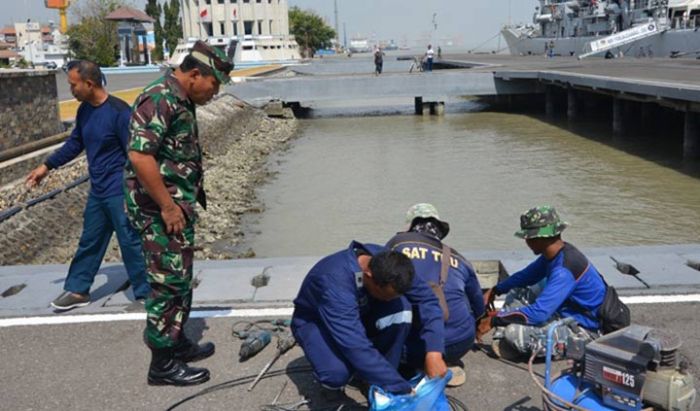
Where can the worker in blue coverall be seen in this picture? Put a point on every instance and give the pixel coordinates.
(564, 284)
(353, 314)
(422, 243)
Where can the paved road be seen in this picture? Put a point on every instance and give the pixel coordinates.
(103, 366)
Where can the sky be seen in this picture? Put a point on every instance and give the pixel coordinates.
(464, 23)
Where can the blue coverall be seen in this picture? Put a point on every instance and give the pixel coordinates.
(465, 301)
(344, 331)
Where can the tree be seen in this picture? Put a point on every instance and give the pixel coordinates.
(172, 29)
(94, 38)
(154, 9)
(311, 32)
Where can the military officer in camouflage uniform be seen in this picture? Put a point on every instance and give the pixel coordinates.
(561, 283)
(163, 181)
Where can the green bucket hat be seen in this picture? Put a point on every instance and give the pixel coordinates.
(214, 58)
(425, 210)
(539, 222)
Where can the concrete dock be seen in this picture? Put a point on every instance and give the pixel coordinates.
(93, 357)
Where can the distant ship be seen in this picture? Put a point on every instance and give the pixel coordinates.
(637, 28)
(391, 46)
(359, 45)
(250, 51)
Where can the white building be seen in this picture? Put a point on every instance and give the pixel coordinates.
(235, 18)
(29, 32)
(259, 29)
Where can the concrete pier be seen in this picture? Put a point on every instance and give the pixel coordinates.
(424, 108)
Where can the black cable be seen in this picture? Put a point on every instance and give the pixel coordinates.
(504, 361)
(455, 404)
(240, 381)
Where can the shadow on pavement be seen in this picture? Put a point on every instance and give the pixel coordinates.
(520, 405)
(310, 389)
(195, 329)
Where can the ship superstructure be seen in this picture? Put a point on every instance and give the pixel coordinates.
(642, 28)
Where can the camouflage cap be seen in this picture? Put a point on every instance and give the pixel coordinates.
(425, 210)
(539, 222)
(214, 58)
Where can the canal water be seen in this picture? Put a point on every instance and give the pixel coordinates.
(354, 178)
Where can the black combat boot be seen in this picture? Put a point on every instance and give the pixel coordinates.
(166, 370)
(188, 351)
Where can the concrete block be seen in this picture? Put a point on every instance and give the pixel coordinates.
(275, 109)
(606, 267)
(663, 270)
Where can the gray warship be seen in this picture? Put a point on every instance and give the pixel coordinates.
(633, 28)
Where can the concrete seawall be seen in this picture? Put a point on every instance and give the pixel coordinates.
(28, 106)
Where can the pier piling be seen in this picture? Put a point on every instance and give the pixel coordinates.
(549, 101)
(691, 136)
(571, 107)
(618, 115)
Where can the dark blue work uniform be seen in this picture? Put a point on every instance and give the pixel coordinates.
(343, 330)
(465, 301)
(102, 132)
(569, 277)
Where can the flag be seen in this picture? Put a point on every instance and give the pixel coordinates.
(203, 13)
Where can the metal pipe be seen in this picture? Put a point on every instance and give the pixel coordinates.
(32, 146)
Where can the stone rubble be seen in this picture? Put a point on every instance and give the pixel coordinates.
(236, 140)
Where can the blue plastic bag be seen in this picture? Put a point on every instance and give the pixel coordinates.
(429, 395)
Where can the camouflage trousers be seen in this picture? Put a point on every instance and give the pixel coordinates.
(169, 261)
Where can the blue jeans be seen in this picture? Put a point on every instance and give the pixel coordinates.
(101, 218)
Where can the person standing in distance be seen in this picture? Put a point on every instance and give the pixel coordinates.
(429, 54)
(163, 181)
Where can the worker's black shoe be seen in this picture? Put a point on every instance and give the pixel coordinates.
(165, 370)
(360, 385)
(332, 395)
(187, 351)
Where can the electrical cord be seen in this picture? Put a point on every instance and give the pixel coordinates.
(240, 381)
(454, 403)
(513, 364)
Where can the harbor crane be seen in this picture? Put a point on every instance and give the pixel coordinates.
(62, 7)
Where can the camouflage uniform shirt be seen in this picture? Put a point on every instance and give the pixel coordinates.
(164, 124)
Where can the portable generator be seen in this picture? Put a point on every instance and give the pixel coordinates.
(630, 369)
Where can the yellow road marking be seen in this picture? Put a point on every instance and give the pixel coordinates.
(68, 108)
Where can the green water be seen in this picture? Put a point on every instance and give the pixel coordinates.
(354, 178)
